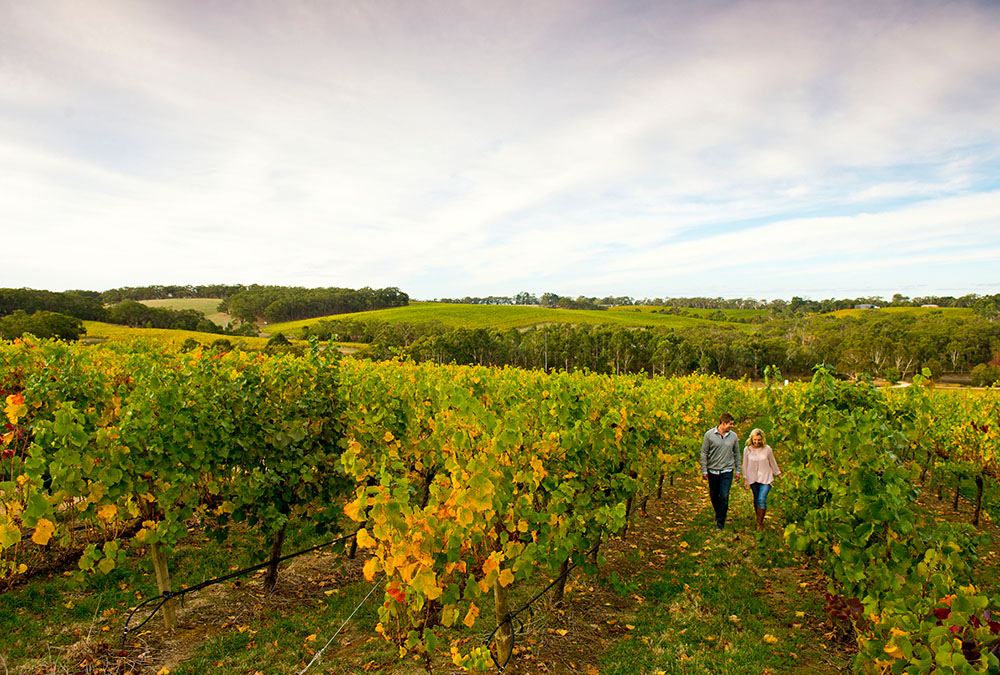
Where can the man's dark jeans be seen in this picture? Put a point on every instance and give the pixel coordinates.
(718, 490)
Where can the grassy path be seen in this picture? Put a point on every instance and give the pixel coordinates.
(721, 602)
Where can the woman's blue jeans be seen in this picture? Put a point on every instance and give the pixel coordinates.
(760, 491)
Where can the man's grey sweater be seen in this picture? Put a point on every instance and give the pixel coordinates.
(720, 453)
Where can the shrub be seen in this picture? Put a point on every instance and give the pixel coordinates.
(41, 324)
(985, 375)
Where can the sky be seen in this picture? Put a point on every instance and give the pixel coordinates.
(759, 149)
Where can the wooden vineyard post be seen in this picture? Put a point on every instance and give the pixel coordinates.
(272, 569)
(659, 488)
(958, 491)
(594, 552)
(163, 585)
(505, 627)
(927, 464)
(628, 512)
(559, 591)
(979, 499)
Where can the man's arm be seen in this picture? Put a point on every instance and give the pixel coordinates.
(704, 456)
(736, 455)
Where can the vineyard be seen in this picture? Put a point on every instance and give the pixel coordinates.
(471, 498)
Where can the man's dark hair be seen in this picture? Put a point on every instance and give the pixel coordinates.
(726, 417)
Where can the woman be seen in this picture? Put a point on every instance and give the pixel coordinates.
(759, 471)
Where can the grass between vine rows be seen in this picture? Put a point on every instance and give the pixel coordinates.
(675, 596)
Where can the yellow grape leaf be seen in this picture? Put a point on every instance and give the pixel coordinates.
(388, 438)
(522, 525)
(464, 516)
(563, 632)
(491, 564)
(163, 671)
(22, 568)
(471, 616)
(539, 469)
(425, 582)
(310, 638)
(7, 437)
(107, 512)
(370, 568)
(448, 615)
(43, 532)
(10, 534)
(365, 540)
(97, 491)
(770, 639)
(22, 479)
(894, 651)
(15, 408)
(506, 578)
(353, 509)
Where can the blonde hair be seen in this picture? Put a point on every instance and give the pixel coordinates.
(755, 432)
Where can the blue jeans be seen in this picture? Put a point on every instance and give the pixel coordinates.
(718, 490)
(760, 491)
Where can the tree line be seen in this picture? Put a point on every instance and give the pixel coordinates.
(165, 292)
(284, 303)
(777, 306)
(893, 346)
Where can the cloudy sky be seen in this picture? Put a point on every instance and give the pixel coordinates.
(609, 147)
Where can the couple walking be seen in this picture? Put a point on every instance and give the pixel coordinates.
(720, 457)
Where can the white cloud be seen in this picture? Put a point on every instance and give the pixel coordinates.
(493, 146)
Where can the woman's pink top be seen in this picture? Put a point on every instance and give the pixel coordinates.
(759, 465)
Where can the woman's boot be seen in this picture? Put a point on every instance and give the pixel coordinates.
(760, 518)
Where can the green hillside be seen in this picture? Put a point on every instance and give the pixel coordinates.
(915, 311)
(101, 332)
(505, 316)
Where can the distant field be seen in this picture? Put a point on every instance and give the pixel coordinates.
(916, 311)
(207, 306)
(499, 316)
(113, 333)
(731, 313)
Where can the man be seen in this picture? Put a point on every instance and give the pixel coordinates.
(720, 459)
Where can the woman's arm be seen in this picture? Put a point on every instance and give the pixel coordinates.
(774, 464)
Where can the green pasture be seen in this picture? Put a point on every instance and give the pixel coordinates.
(109, 332)
(499, 316)
(730, 314)
(915, 311)
(207, 306)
